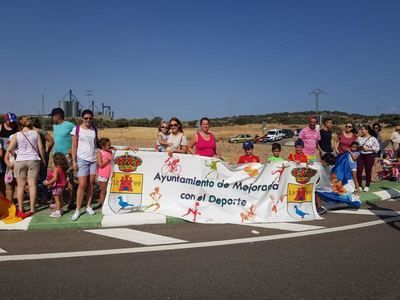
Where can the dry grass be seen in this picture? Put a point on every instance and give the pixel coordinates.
(146, 137)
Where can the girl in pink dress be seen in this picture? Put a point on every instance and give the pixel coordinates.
(57, 179)
(104, 157)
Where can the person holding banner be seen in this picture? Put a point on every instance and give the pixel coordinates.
(177, 140)
(203, 142)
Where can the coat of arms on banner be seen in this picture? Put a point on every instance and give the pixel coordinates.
(127, 163)
(122, 185)
(300, 196)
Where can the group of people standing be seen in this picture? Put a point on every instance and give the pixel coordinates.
(78, 151)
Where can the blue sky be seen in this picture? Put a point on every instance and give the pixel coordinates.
(201, 58)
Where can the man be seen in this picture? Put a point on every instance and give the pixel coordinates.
(63, 142)
(310, 136)
(8, 128)
(325, 143)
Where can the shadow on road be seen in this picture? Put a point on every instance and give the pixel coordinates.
(374, 208)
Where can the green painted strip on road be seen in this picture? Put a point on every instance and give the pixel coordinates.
(41, 220)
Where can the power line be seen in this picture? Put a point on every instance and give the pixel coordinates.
(316, 94)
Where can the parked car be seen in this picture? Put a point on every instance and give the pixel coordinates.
(287, 133)
(297, 131)
(241, 138)
(274, 135)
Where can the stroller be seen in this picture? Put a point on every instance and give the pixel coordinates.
(387, 172)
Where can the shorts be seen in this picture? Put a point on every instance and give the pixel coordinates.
(57, 190)
(27, 168)
(102, 179)
(86, 168)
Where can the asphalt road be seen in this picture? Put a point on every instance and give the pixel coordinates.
(330, 263)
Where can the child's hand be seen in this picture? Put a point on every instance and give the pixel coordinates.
(46, 182)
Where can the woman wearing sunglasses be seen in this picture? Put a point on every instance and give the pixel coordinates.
(84, 160)
(345, 138)
(177, 142)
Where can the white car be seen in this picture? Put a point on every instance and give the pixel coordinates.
(274, 135)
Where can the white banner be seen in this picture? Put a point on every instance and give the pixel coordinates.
(207, 190)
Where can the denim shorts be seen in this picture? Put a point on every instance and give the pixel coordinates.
(86, 168)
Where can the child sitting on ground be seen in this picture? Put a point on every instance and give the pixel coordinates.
(248, 157)
(298, 156)
(354, 154)
(57, 180)
(276, 152)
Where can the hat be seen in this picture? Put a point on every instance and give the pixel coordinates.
(10, 117)
(299, 142)
(57, 111)
(248, 145)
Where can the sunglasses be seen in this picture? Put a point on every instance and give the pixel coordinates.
(88, 119)
(173, 125)
(347, 126)
(165, 127)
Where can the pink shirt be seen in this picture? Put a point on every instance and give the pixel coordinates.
(106, 170)
(61, 177)
(345, 142)
(310, 138)
(206, 147)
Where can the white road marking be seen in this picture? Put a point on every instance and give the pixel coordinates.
(3, 251)
(367, 212)
(388, 194)
(286, 226)
(136, 236)
(192, 245)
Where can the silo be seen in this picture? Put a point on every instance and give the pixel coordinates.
(75, 109)
(64, 105)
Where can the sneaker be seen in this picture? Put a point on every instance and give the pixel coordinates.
(90, 211)
(52, 205)
(55, 214)
(360, 189)
(321, 210)
(21, 214)
(76, 215)
(366, 189)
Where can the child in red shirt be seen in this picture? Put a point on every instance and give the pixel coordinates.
(298, 156)
(248, 157)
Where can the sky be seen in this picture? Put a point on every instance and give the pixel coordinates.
(201, 58)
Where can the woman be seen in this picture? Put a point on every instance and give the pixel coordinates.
(377, 134)
(345, 138)
(27, 164)
(369, 147)
(47, 142)
(84, 160)
(177, 140)
(203, 141)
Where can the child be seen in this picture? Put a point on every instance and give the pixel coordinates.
(58, 181)
(104, 157)
(162, 137)
(298, 156)
(248, 157)
(396, 166)
(354, 154)
(276, 152)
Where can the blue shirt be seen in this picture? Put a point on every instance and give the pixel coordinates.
(62, 137)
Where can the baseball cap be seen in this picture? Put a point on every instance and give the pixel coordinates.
(299, 142)
(10, 117)
(248, 145)
(56, 111)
